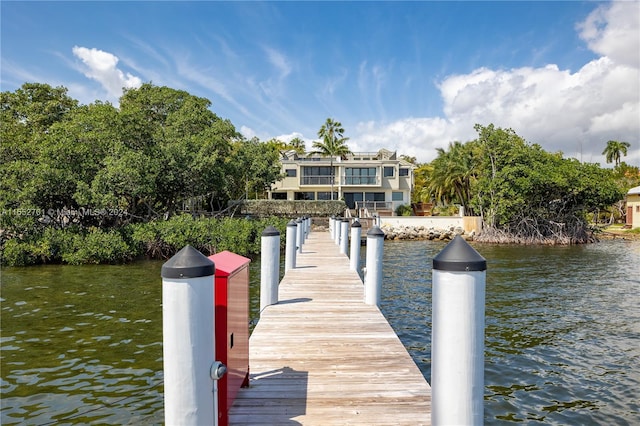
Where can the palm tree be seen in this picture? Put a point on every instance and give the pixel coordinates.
(297, 145)
(333, 144)
(453, 174)
(613, 151)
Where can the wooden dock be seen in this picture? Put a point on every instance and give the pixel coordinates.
(321, 356)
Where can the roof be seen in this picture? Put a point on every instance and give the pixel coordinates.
(634, 191)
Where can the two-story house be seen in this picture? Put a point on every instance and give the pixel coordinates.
(378, 181)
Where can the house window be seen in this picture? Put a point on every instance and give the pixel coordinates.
(305, 196)
(291, 172)
(638, 209)
(396, 196)
(327, 196)
(403, 172)
(278, 195)
(374, 196)
(389, 171)
(360, 176)
(316, 175)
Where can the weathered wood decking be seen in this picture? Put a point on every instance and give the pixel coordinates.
(321, 356)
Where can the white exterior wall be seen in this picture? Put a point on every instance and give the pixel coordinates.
(387, 185)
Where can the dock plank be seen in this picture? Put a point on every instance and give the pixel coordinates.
(321, 356)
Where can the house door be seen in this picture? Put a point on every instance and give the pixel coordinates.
(630, 215)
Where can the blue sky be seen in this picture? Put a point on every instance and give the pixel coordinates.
(408, 76)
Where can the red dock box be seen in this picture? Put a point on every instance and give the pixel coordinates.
(232, 327)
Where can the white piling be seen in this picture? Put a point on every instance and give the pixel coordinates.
(356, 234)
(337, 227)
(332, 227)
(269, 267)
(344, 236)
(290, 246)
(188, 349)
(299, 234)
(457, 335)
(307, 227)
(373, 276)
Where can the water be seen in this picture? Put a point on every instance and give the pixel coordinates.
(562, 328)
(83, 344)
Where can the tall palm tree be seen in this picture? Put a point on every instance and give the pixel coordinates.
(454, 173)
(297, 145)
(332, 144)
(613, 151)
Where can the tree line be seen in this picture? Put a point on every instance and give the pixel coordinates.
(524, 193)
(99, 167)
(75, 176)
(160, 152)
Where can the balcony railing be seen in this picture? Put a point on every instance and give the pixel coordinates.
(374, 205)
(316, 180)
(346, 180)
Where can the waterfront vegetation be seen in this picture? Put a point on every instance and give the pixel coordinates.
(158, 239)
(104, 184)
(524, 193)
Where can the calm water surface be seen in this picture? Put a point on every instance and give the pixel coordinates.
(562, 328)
(83, 344)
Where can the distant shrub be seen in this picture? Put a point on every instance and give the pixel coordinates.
(97, 246)
(157, 240)
(404, 210)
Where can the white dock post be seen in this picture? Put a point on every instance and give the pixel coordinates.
(373, 276)
(290, 246)
(188, 350)
(332, 227)
(307, 227)
(356, 234)
(344, 236)
(299, 234)
(269, 266)
(457, 335)
(337, 227)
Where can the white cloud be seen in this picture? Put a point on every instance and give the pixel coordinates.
(612, 30)
(102, 67)
(247, 132)
(575, 113)
(278, 60)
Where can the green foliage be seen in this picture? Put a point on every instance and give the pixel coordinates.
(518, 188)
(161, 239)
(614, 150)
(156, 239)
(404, 210)
(163, 151)
(97, 246)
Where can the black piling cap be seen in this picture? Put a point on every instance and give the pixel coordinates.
(375, 231)
(356, 224)
(188, 263)
(458, 255)
(270, 231)
(292, 223)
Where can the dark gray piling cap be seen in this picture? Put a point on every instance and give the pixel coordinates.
(270, 231)
(375, 231)
(292, 223)
(356, 224)
(458, 255)
(188, 263)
